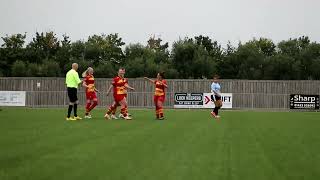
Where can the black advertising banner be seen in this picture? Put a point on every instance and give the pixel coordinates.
(301, 101)
(188, 100)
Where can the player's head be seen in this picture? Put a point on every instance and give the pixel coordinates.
(87, 72)
(160, 75)
(216, 78)
(121, 72)
(75, 66)
(90, 71)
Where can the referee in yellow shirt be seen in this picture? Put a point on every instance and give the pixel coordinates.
(73, 81)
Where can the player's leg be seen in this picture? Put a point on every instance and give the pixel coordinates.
(160, 106)
(94, 99)
(70, 107)
(72, 93)
(126, 96)
(113, 113)
(124, 109)
(213, 112)
(88, 104)
(155, 99)
(111, 109)
(75, 110)
(75, 105)
(218, 104)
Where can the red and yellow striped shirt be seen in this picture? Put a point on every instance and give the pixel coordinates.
(160, 88)
(119, 85)
(89, 80)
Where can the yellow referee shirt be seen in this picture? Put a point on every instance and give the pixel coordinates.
(72, 79)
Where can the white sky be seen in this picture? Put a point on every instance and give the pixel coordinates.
(136, 20)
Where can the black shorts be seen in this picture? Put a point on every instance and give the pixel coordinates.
(72, 94)
(215, 98)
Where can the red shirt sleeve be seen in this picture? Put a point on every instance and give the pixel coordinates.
(114, 81)
(164, 82)
(85, 79)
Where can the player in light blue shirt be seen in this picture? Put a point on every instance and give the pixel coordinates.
(216, 96)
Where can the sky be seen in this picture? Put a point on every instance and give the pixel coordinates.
(137, 20)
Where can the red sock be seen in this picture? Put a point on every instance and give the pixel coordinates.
(114, 110)
(161, 112)
(124, 111)
(111, 109)
(157, 112)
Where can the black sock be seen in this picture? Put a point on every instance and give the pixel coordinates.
(75, 110)
(69, 110)
(216, 110)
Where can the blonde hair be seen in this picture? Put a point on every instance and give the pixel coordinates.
(85, 73)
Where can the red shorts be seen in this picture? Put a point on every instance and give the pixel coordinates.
(159, 98)
(91, 95)
(119, 97)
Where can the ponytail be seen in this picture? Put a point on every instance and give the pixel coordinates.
(85, 73)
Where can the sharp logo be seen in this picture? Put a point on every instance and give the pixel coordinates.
(301, 101)
(300, 98)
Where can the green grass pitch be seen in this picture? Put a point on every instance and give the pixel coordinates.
(189, 145)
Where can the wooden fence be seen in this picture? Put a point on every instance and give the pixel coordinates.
(50, 92)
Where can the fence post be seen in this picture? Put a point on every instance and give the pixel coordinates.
(251, 100)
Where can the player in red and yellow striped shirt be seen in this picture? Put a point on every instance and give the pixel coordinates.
(159, 94)
(91, 96)
(120, 86)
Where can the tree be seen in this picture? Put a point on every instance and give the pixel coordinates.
(264, 46)
(19, 69)
(63, 55)
(104, 48)
(212, 47)
(42, 47)
(15, 41)
(156, 45)
(11, 51)
(182, 57)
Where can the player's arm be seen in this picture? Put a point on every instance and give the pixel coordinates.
(164, 83)
(84, 84)
(152, 81)
(216, 92)
(129, 87)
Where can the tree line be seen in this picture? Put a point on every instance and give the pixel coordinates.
(199, 57)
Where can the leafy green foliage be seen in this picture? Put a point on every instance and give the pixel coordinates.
(198, 57)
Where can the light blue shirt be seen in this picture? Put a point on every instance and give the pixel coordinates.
(215, 88)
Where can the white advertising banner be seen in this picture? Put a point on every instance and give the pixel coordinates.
(12, 98)
(188, 100)
(200, 100)
(226, 99)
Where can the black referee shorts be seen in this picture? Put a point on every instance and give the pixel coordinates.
(72, 94)
(215, 98)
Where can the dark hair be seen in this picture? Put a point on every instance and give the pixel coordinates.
(216, 76)
(162, 74)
